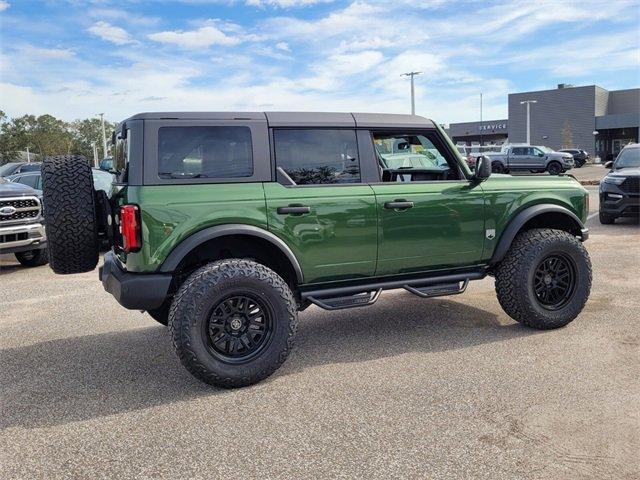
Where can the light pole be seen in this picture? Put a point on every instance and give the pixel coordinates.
(413, 90)
(104, 136)
(528, 102)
(481, 132)
(28, 155)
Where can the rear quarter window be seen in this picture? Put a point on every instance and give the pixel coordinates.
(204, 152)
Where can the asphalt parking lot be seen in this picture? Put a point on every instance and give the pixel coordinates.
(411, 388)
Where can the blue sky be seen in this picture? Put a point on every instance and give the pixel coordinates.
(76, 58)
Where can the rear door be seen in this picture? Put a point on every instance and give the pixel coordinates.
(321, 206)
(430, 215)
(519, 158)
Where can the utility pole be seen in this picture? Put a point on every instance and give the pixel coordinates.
(528, 103)
(104, 136)
(28, 155)
(94, 146)
(413, 89)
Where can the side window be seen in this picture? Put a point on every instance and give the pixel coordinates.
(318, 156)
(29, 180)
(413, 157)
(204, 152)
(519, 151)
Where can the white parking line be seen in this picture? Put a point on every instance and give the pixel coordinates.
(592, 215)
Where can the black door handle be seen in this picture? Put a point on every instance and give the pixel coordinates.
(294, 210)
(398, 205)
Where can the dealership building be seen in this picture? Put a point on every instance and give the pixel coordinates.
(590, 117)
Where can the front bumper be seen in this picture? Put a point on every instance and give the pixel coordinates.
(135, 291)
(617, 202)
(22, 238)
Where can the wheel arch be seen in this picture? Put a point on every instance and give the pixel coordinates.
(538, 216)
(210, 235)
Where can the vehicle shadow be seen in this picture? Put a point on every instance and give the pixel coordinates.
(75, 379)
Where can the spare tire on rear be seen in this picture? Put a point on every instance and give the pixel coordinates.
(70, 214)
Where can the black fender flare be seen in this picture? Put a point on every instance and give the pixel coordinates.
(188, 244)
(523, 217)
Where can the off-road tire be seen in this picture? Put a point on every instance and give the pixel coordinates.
(70, 214)
(161, 314)
(514, 278)
(606, 219)
(32, 258)
(554, 168)
(194, 303)
(497, 167)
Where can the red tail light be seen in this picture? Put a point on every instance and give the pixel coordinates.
(130, 228)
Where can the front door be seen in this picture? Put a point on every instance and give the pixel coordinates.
(430, 215)
(320, 207)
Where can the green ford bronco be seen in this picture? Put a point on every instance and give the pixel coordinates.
(225, 225)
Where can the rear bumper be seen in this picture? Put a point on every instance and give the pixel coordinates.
(22, 238)
(134, 291)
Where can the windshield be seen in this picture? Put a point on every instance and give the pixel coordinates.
(629, 157)
(7, 169)
(545, 149)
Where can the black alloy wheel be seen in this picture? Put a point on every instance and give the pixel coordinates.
(554, 168)
(497, 167)
(239, 327)
(554, 281)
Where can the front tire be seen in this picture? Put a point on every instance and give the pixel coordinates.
(554, 168)
(233, 323)
(497, 167)
(544, 280)
(32, 258)
(606, 219)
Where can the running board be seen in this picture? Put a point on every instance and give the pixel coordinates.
(363, 299)
(440, 290)
(362, 295)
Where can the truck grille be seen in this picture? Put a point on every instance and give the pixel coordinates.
(24, 209)
(13, 237)
(631, 185)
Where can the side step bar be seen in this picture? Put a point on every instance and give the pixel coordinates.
(439, 290)
(348, 301)
(364, 295)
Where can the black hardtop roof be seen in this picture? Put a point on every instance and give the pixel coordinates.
(300, 119)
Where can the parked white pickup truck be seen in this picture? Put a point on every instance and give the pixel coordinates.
(533, 158)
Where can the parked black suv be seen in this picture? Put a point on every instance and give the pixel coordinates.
(620, 189)
(580, 157)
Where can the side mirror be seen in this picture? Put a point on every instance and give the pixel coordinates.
(483, 168)
(608, 164)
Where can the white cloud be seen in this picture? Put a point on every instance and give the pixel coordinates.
(110, 33)
(285, 3)
(284, 46)
(202, 37)
(4, 5)
(52, 53)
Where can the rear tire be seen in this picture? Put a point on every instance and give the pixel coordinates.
(70, 214)
(32, 258)
(544, 280)
(606, 219)
(554, 168)
(233, 323)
